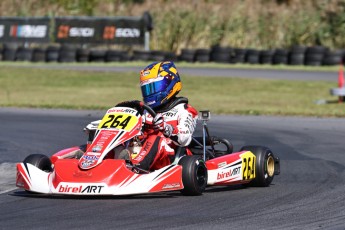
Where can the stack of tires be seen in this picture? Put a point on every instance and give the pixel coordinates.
(280, 57)
(187, 55)
(24, 54)
(82, 55)
(9, 52)
(97, 55)
(116, 56)
(157, 55)
(202, 55)
(220, 54)
(238, 55)
(141, 55)
(333, 57)
(297, 55)
(39, 55)
(67, 53)
(52, 53)
(266, 56)
(252, 56)
(314, 55)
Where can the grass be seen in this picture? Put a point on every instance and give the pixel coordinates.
(44, 88)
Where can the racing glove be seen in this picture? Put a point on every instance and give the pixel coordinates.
(161, 125)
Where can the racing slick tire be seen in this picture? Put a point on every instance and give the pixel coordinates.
(40, 161)
(194, 175)
(264, 167)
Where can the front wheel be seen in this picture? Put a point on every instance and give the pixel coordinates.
(264, 167)
(40, 161)
(194, 175)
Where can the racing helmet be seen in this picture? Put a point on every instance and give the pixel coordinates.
(159, 82)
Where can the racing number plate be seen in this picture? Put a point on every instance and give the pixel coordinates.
(118, 120)
(248, 165)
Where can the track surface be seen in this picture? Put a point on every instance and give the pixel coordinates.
(213, 72)
(309, 193)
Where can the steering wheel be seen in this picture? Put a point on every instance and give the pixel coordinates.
(138, 105)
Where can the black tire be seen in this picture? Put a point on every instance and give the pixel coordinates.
(24, 54)
(9, 53)
(314, 55)
(40, 161)
(157, 56)
(171, 56)
(266, 56)
(52, 54)
(194, 175)
(141, 55)
(334, 57)
(220, 54)
(97, 55)
(252, 56)
(187, 55)
(116, 56)
(238, 55)
(82, 55)
(296, 59)
(38, 55)
(280, 57)
(67, 53)
(202, 55)
(264, 167)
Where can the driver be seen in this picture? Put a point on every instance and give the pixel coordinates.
(175, 121)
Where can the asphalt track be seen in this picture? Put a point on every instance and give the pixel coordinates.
(309, 193)
(213, 72)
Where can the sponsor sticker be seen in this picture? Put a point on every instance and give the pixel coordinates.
(28, 31)
(80, 188)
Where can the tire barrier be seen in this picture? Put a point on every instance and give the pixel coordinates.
(266, 56)
(252, 56)
(82, 55)
(296, 55)
(333, 57)
(67, 53)
(202, 55)
(97, 55)
(116, 56)
(9, 52)
(39, 55)
(280, 57)
(187, 55)
(24, 54)
(220, 54)
(314, 55)
(140, 55)
(52, 53)
(238, 55)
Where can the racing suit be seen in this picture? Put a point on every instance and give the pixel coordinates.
(158, 147)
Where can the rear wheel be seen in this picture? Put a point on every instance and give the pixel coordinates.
(40, 161)
(264, 167)
(194, 175)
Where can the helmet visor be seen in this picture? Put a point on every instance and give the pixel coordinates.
(155, 87)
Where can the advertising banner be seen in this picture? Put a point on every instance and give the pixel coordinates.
(20, 30)
(109, 30)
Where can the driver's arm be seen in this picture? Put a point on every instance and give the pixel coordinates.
(185, 126)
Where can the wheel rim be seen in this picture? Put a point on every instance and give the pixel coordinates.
(270, 166)
(200, 176)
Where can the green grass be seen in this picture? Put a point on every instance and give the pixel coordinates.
(44, 88)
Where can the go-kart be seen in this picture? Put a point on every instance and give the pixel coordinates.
(99, 168)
